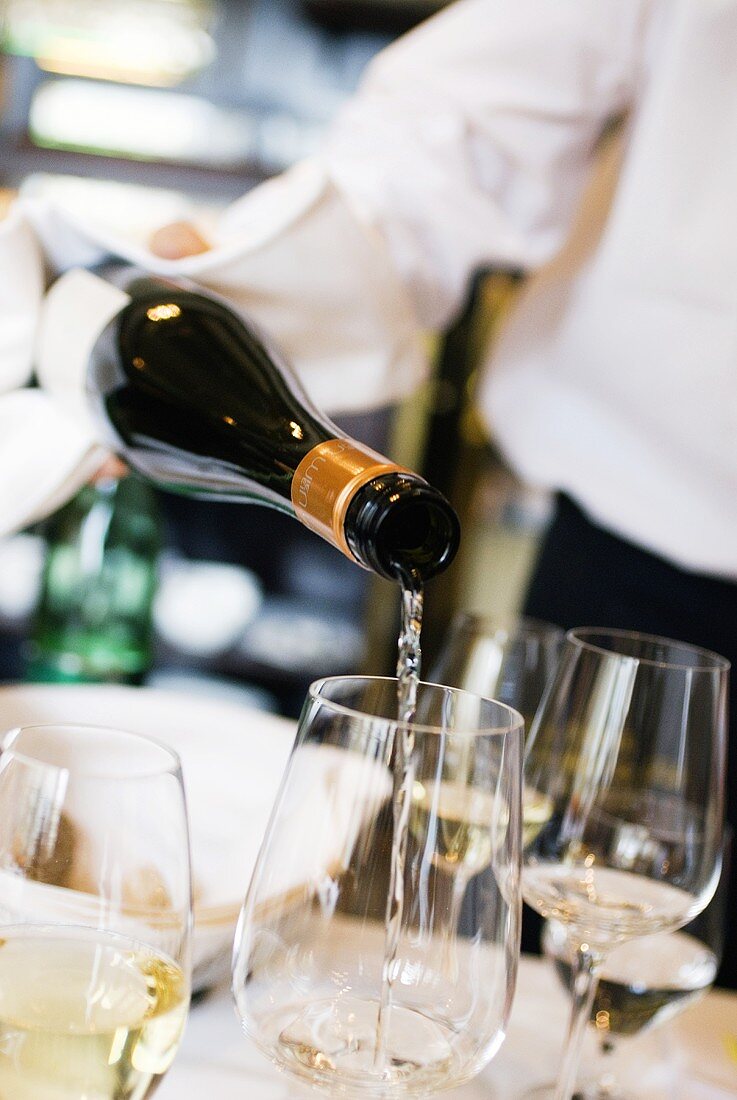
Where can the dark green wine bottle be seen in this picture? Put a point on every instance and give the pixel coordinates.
(193, 398)
(94, 620)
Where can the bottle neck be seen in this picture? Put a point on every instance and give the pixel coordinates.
(326, 482)
(402, 528)
(379, 514)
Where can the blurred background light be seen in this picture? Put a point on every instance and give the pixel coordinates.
(152, 42)
(137, 122)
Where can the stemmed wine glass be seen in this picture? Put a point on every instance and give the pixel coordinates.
(511, 660)
(341, 982)
(508, 659)
(95, 913)
(642, 985)
(628, 748)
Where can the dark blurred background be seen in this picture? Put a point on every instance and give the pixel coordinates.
(141, 112)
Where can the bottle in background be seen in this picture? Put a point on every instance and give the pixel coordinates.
(94, 618)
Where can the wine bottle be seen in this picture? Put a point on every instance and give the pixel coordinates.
(194, 398)
(94, 619)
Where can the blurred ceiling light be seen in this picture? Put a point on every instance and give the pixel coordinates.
(138, 123)
(153, 42)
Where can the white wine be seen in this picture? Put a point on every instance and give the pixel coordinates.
(537, 809)
(459, 818)
(643, 982)
(468, 822)
(334, 1041)
(85, 1014)
(613, 905)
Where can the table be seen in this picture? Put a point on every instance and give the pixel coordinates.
(216, 1062)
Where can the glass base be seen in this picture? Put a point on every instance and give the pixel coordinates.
(643, 1067)
(334, 1045)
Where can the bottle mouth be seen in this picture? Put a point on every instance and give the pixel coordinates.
(403, 528)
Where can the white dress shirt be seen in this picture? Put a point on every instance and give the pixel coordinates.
(470, 144)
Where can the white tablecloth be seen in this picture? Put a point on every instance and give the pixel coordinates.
(216, 1062)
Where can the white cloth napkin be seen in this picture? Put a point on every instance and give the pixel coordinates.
(44, 454)
(346, 324)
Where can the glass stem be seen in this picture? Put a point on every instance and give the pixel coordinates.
(585, 977)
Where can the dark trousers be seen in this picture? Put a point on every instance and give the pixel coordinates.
(586, 576)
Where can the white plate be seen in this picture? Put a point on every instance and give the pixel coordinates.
(232, 758)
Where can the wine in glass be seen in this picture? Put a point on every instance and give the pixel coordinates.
(629, 748)
(643, 984)
(511, 660)
(367, 983)
(95, 913)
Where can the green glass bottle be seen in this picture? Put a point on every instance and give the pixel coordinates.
(94, 618)
(190, 395)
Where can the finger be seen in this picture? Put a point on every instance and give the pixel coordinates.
(175, 241)
(112, 469)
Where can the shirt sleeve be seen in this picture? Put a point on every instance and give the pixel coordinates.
(468, 145)
(471, 139)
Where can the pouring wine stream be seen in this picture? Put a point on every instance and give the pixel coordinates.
(408, 677)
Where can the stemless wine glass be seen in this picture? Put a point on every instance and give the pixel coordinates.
(95, 913)
(350, 986)
(511, 660)
(628, 750)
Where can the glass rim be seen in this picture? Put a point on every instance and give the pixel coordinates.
(173, 767)
(517, 723)
(712, 661)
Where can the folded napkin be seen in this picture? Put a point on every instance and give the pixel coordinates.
(21, 290)
(291, 254)
(45, 457)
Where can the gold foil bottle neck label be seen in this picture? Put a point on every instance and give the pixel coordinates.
(327, 479)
